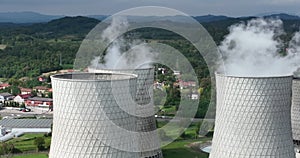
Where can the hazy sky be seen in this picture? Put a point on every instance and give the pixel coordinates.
(192, 7)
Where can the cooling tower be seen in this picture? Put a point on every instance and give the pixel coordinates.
(149, 143)
(253, 118)
(86, 115)
(296, 111)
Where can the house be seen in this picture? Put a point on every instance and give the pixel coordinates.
(41, 90)
(41, 79)
(21, 98)
(185, 84)
(6, 97)
(194, 96)
(40, 102)
(4, 85)
(25, 90)
(158, 85)
(176, 73)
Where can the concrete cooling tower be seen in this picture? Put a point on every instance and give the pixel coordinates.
(296, 111)
(87, 116)
(149, 143)
(253, 118)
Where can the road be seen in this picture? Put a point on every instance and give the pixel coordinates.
(14, 112)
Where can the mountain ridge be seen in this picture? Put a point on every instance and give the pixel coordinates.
(34, 17)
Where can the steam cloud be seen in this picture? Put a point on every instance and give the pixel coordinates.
(139, 55)
(253, 49)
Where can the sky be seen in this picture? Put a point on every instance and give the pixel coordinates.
(233, 8)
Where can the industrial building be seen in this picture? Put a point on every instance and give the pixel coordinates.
(17, 127)
(253, 118)
(89, 121)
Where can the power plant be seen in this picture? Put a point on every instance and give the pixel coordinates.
(86, 116)
(253, 117)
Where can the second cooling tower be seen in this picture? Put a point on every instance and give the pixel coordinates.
(149, 143)
(253, 118)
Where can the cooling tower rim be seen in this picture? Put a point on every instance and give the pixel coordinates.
(253, 77)
(63, 77)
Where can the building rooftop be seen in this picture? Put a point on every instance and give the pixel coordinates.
(5, 94)
(26, 123)
(41, 99)
(41, 88)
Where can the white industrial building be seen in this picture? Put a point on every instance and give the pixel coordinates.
(253, 118)
(11, 128)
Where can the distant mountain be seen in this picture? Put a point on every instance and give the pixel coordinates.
(176, 18)
(26, 17)
(283, 16)
(64, 26)
(33, 17)
(211, 18)
(98, 17)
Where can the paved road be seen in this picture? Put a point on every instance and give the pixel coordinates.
(14, 112)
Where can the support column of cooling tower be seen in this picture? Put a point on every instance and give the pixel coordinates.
(253, 118)
(86, 114)
(146, 124)
(296, 111)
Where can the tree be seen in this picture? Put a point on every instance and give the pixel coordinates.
(15, 90)
(40, 143)
(50, 95)
(173, 97)
(6, 149)
(22, 105)
(34, 93)
(183, 135)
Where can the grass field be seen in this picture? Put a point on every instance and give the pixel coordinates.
(25, 143)
(179, 149)
(32, 156)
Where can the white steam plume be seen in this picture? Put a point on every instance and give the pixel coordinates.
(252, 49)
(115, 58)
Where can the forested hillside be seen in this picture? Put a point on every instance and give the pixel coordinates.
(27, 50)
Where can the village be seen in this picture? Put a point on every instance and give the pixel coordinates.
(38, 99)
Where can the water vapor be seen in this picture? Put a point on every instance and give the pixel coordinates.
(255, 49)
(122, 54)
